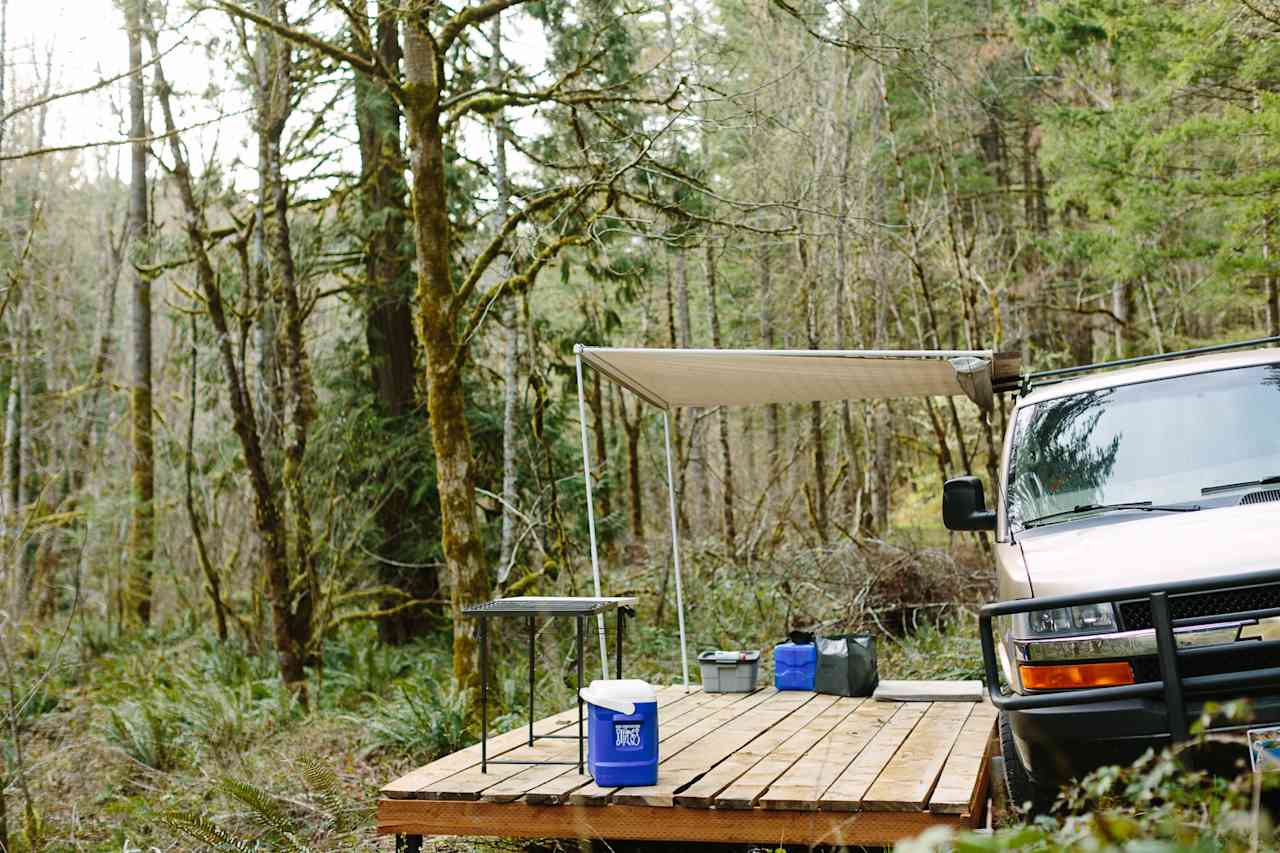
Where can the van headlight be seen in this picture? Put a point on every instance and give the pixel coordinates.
(1065, 621)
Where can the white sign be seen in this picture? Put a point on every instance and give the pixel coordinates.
(1264, 748)
(627, 737)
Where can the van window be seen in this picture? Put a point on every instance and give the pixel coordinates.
(1160, 441)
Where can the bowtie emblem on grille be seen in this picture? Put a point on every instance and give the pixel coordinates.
(1263, 629)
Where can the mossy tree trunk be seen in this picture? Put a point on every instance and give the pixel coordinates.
(141, 443)
(389, 333)
(437, 334)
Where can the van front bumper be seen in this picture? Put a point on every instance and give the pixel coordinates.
(1064, 743)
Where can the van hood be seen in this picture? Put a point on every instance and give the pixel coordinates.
(1153, 548)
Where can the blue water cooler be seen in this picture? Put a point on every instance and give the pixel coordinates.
(794, 666)
(622, 732)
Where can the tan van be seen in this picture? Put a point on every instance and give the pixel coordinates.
(1138, 560)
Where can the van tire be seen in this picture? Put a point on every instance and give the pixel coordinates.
(1019, 785)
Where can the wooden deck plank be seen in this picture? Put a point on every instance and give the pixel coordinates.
(748, 788)
(845, 794)
(809, 777)
(468, 784)
(640, 823)
(909, 777)
(559, 790)
(962, 781)
(413, 782)
(702, 794)
(671, 748)
(674, 719)
(690, 764)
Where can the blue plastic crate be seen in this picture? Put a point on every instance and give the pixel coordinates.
(794, 666)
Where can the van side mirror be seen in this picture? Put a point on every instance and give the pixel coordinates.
(964, 506)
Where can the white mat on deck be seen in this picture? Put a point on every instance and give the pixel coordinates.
(930, 691)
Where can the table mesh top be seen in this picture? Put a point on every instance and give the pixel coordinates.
(528, 605)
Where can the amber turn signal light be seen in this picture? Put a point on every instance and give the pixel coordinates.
(1067, 676)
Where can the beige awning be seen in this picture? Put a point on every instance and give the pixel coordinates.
(672, 378)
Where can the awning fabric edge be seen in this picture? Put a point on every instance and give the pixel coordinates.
(972, 372)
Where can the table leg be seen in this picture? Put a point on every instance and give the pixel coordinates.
(621, 618)
(530, 681)
(484, 695)
(579, 621)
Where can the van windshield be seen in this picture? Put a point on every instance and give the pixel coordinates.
(1161, 441)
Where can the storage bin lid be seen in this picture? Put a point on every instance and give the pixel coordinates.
(619, 694)
(729, 657)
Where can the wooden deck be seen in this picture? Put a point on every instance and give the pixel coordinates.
(770, 767)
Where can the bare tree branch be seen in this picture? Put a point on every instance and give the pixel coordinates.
(84, 90)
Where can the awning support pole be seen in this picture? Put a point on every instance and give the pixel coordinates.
(675, 547)
(591, 513)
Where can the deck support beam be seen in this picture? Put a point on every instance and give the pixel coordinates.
(651, 823)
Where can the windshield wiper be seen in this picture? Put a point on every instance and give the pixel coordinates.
(1227, 487)
(1142, 506)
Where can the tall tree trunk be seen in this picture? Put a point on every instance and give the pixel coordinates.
(389, 334)
(212, 579)
(269, 385)
(631, 426)
(511, 349)
(695, 481)
(595, 400)
(771, 428)
(1122, 307)
(268, 520)
(26, 453)
(817, 435)
(12, 465)
(142, 450)
(1273, 285)
(300, 393)
(677, 418)
(722, 413)
(844, 125)
(450, 434)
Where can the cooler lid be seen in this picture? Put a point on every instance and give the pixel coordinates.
(619, 694)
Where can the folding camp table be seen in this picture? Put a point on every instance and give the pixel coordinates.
(530, 607)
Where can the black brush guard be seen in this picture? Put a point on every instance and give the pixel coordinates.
(1172, 687)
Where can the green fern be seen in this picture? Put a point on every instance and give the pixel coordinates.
(279, 831)
(264, 809)
(322, 783)
(144, 732)
(208, 833)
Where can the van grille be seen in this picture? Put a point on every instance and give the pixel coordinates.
(1136, 615)
(1261, 497)
(1237, 657)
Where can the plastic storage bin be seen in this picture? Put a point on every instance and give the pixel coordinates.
(729, 672)
(622, 732)
(794, 666)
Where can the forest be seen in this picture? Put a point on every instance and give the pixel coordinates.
(287, 329)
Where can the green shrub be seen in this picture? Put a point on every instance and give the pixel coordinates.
(226, 719)
(1157, 804)
(425, 720)
(145, 732)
